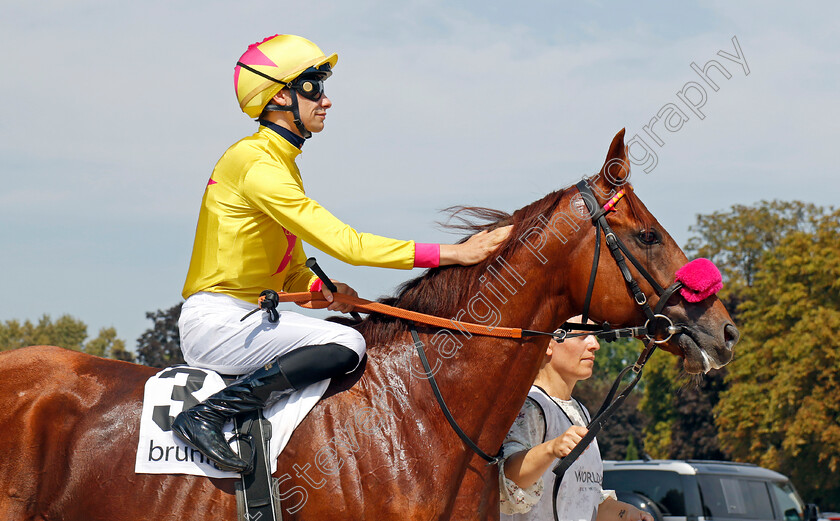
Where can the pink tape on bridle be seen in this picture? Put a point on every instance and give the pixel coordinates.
(611, 203)
(700, 278)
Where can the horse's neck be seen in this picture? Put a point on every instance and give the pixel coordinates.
(488, 378)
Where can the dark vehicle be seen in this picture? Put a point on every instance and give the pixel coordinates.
(708, 490)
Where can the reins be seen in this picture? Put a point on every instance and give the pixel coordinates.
(310, 300)
(316, 300)
(421, 352)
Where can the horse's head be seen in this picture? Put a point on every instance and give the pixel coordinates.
(706, 334)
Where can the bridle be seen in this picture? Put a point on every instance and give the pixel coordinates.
(655, 322)
(649, 330)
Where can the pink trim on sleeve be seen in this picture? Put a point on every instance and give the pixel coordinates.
(426, 255)
(316, 286)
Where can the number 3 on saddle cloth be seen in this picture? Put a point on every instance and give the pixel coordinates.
(176, 389)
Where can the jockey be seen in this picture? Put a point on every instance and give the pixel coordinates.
(253, 219)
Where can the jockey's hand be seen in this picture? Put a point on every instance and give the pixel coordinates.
(475, 249)
(343, 289)
(562, 445)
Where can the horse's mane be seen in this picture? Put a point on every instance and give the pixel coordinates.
(441, 291)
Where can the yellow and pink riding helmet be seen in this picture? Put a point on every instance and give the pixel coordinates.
(274, 63)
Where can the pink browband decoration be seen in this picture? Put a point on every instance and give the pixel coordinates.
(701, 279)
(609, 206)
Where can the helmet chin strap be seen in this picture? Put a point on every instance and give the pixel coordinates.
(295, 113)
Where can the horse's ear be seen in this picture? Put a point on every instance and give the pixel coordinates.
(616, 169)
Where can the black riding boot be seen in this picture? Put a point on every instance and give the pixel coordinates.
(201, 426)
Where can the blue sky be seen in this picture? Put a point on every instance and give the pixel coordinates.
(114, 114)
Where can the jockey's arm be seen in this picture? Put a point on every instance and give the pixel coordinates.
(474, 250)
(299, 277)
(276, 193)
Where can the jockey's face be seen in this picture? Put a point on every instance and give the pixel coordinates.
(312, 113)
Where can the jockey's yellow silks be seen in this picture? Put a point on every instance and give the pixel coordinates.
(254, 216)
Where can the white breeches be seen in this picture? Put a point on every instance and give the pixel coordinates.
(213, 337)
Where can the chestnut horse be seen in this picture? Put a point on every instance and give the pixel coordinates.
(382, 449)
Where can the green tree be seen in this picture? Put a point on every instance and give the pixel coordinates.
(737, 239)
(626, 422)
(160, 346)
(682, 418)
(661, 375)
(680, 409)
(66, 332)
(782, 407)
(107, 345)
(693, 431)
(632, 449)
(615, 356)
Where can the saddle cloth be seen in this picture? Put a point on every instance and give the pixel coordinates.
(178, 388)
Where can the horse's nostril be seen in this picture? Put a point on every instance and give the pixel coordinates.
(731, 335)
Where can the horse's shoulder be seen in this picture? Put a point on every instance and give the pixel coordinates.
(382, 371)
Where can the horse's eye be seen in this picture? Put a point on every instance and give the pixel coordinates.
(649, 237)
